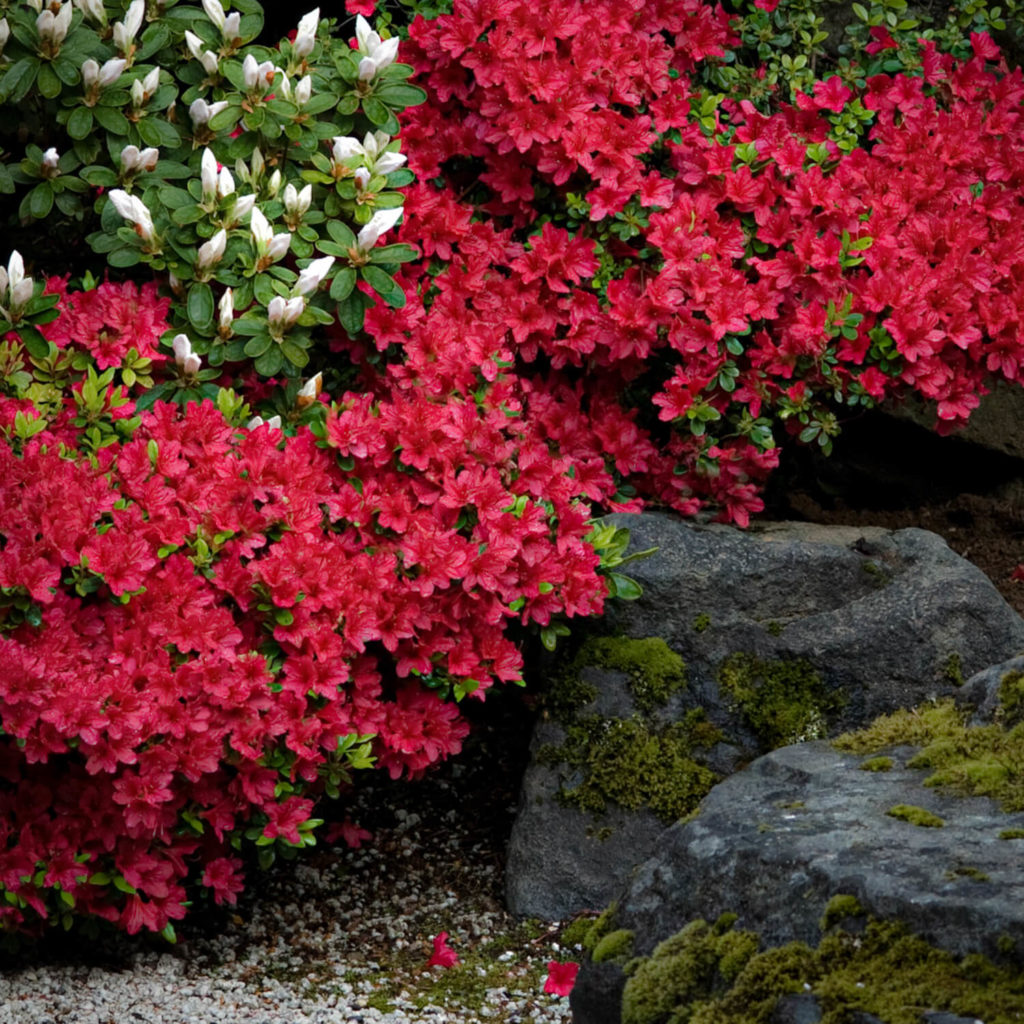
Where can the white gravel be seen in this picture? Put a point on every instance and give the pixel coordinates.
(336, 937)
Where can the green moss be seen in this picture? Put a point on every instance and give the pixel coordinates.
(878, 575)
(967, 871)
(574, 933)
(876, 764)
(1012, 833)
(983, 760)
(783, 701)
(600, 927)
(701, 622)
(1011, 699)
(710, 975)
(615, 947)
(655, 671)
(635, 764)
(915, 816)
(774, 628)
(953, 670)
(838, 909)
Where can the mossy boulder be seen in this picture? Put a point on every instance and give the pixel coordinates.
(775, 843)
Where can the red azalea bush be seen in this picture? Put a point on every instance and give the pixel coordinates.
(206, 627)
(628, 280)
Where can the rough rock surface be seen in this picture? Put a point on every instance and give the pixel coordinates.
(774, 842)
(888, 619)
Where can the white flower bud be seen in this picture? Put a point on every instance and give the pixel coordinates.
(274, 184)
(151, 83)
(90, 73)
(182, 348)
(362, 178)
(283, 313)
(5, 33)
(344, 147)
(367, 69)
(380, 222)
(311, 276)
(211, 252)
(231, 32)
(52, 28)
(226, 313)
(250, 71)
(214, 12)
(111, 71)
(305, 37)
(225, 183)
(208, 177)
(297, 203)
(258, 421)
(309, 391)
(243, 207)
(50, 159)
(94, 11)
(132, 208)
(138, 94)
(260, 228)
(133, 18)
(388, 162)
(303, 91)
(191, 365)
(279, 245)
(200, 111)
(194, 44)
(367, 39)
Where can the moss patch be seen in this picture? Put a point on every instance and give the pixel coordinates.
(635, 764)
(599, 927)
(876, 764)
(1012, 833)
(984, 760)
(1011, 699)
(915, 816)
(701, 622)
(616, 947)
(783, 701)
(711, 974)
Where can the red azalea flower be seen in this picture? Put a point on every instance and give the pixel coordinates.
(766, 5)
(1017, 576)
(561, 977)
(444, 955)
(363, 7)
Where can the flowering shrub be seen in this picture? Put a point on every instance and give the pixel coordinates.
(622, 276)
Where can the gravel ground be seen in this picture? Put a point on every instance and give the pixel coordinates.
(337, 935)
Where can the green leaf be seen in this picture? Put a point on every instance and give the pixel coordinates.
(47, 82)
(343, 283)
(35, 344)
(200, 305)
(626, 588)
(384, 285)
(341, 233)
(155, 131)
(125, 256)
(112, 120)
(400, 96)
(98, 176)
(375, 111)
(269, 363)
(40, 200)
(257, 345)
(227, 118)
(398, 253)
(294, 354)
(352, 311)
(80, 123)
(19, 79)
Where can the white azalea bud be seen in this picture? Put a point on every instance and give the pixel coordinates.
(212, 251)
(303, 91)
(260, 228)
(225, 183)
(344, 147)
(133, 160)
(50, 160)
(258, 421)
(380, 222)
(208, 177)
(297, 203)
(231, 32)
(250, 71)
(14, 278)
(132, 208)
(133, 17)
(388, 162)
(274, 184)
(191, 365)
(151, 83)
(200, 111)
(36, 5)
(367, 69)
(242, 208)
(214, 12)
(309, 391)
(367, 39)
(5, 33)
(111, 71)
(93, 11)
(138, 94)
(90, 73)
(52, 28)
(194, 44)
(258, 164)
(283, 313)
(182, 348)
(312, 275)
(279, 246)
(362, 179)
(225, 313)
(305, 37)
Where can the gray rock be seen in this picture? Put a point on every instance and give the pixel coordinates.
(801, 1008)
(981, 691)
(774, 842)
(887, 619)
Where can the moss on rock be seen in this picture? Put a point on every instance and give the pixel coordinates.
(915, 816)
(783, 701)
(615, 947)
(711, 974)
(876, 764)
(978, 760)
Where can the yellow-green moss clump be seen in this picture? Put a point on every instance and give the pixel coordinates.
(783, 701)
(915, 816)
(616, 947)
(981, 760)
(712, 974)
(876, 764)
(635, 762)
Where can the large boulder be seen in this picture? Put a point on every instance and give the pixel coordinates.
(777, 841)
(788, 632)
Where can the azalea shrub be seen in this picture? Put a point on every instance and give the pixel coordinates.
(271, 515)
